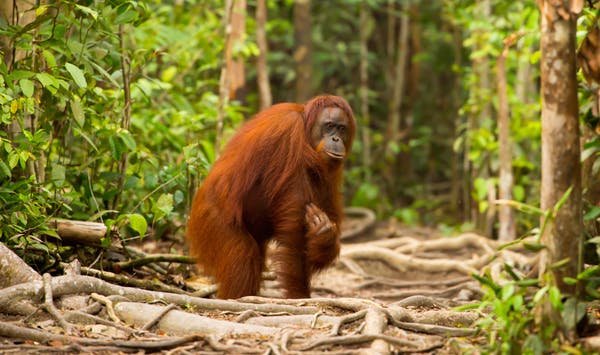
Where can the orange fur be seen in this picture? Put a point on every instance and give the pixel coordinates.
(258, 191)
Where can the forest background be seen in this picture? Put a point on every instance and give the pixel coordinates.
(115, 111)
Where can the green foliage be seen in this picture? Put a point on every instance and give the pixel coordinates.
(512, 326)
(524, 315)
(484, 37)
(63, 109)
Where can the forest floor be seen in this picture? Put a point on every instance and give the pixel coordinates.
(393, 290)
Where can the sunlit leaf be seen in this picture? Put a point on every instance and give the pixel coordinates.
(27, 87)
(138, 223)
(77, 75)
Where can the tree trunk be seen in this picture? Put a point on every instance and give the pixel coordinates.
(235, 63)
(262, 70)
(303, 51)
(224, 78)
(561, 167)
(483, 221)
(507, 231)
(390, 43)
(126, 118)
(524, 87)
(394, 121)
(365, 33)
(459, 192)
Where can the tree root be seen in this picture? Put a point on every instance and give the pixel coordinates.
(400, 254)
(9, 330)
(363, 338)
(64, 285)
(179, 322)
(402, 262)
(366, 221)
(420, 320)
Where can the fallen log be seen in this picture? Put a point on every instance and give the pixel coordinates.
(88, 233)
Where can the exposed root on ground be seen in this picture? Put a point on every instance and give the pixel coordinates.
(393, 295)
(327, 322)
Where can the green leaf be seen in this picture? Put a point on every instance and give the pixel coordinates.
(595, 240)
(588, 153)
(518, 302)
(487, 281)
(519, 192)
(589, 272)
(569, 280)
(169, 73)
(20, 74)
(163, 206)
(48, 81)
(563, 199)
(127, 139)
(555, 297)
(49, 57)
(85, 136)
(592, 214)
(481, 188)
(126, 16)
(77, 111)
(13, 159)
(27, 87)
(58, 174)
(88, 11)
(559, 264)
(4, 170)
(528, 282)
(507, 291)
(539, 294)
(533, 246)
(573, 312)
(77, 75)
(138, 223)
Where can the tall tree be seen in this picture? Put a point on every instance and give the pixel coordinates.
(365, 33)
(561, 168)
(303, 51)
(394, 121)
(506, 218)
(225, 77)
(235, 63)
(262, 70)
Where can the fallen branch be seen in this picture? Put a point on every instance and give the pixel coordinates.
(150, 259)
(153, 284)
(83, 232)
